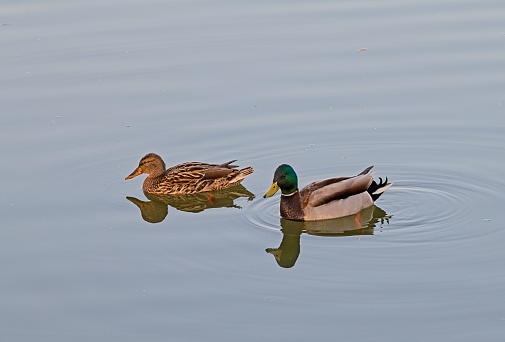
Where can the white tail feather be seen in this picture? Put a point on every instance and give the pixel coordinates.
(382, 189)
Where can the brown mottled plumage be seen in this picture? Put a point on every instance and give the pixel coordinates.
(187, 178)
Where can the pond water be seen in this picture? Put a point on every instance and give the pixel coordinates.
(416, 89)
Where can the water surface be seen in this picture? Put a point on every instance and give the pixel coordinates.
(415, 89)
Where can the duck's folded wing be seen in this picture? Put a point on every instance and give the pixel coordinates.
(322, 192)
(193, 171)
(183, 177)
(216, 172)
(219, 171)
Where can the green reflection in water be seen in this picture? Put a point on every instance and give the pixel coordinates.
(156, 209)
(362, 223)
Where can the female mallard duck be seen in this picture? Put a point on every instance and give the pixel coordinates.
(187, 178)
(326, 199)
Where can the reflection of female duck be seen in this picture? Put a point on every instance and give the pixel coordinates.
(187, 178)
(362, 224)
(326, 199)
(153, 211)
(156, 209)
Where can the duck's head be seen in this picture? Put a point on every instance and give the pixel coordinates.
(285, 179)
(151, 164)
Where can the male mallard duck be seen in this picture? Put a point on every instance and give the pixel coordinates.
(187, 178)
(325, 199)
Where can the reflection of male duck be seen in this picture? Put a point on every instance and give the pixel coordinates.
(156, 209)
(362, 223)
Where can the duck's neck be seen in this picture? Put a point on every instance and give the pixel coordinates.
(151, 183)
(291, 206)
(157, 172)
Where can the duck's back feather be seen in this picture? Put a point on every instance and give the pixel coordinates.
(322, 192)
(191, 171)
(195, 177)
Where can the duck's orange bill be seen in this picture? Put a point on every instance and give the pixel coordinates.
(138, 171)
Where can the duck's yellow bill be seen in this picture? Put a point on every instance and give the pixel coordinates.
(273, 189)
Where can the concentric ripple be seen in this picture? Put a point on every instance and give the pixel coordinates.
(439, 206)
(431, 205)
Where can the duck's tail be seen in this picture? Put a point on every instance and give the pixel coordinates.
(239, 175)
(245, 172)
(376, 189)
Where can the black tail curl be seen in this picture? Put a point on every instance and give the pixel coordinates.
(376, 186)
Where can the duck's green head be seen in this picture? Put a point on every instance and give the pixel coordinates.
(285, 179)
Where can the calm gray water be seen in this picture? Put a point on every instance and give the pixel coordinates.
(415, 88)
